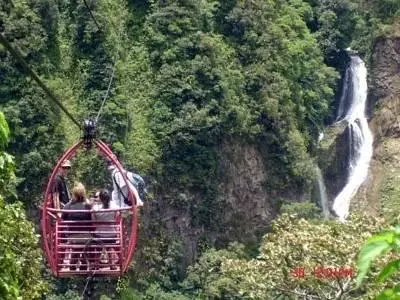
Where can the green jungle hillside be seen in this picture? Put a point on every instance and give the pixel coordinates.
(219, 105)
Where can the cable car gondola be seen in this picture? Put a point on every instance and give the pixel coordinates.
(56, 231)
(59, 247)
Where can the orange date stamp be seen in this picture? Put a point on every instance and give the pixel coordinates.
(322, 272)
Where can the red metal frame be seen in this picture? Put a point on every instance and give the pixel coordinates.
(52, 224)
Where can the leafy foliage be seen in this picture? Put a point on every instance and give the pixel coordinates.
(206, 279)
(295, 243)
(289, 87)
(20, 258)
(29, 114)
(325, 250)
(7, 167)
(377, 246)
(188, 75)
(304, 210)
(339, 24)
(159, 262)
(69, 295)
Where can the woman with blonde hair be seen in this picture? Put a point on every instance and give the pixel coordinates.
(81, 229)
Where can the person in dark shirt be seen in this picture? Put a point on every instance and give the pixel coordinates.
(61, 194)
(81, 230)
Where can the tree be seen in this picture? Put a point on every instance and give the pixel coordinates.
(305, 210)
(196, 98)
(69, 295)
(298, 258)
(35, 139)
(334, 23)
(20, 258)
(288, 86)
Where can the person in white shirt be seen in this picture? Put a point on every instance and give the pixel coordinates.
(119, 195)
(107, 232)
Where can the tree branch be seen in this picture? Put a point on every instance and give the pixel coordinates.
(297, 293)
(343, 288)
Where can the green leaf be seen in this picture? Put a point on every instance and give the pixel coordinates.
(387, 236)
(388, 270)
(368, 254)
(389, 294)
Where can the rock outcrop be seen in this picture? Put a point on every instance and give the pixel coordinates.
(333, 159)
(250, 201)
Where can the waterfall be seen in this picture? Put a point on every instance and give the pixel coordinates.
(354, 98)
(323, 198)
(320, 137)
(343, 104)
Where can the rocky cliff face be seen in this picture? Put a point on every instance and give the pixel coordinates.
(333, 160)
(248, 200)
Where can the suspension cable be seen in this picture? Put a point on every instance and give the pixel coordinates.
(113, 70)
(16, 53)
(92, 16)
(87, 283)
(108, 90)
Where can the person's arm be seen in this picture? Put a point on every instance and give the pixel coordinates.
(88, 207)
(139, 201)
(120, 180)
(121, 188)
(56, 195)
(65, 216)
(94, 209)
(56, 200)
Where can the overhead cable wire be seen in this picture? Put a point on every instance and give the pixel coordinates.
(92, 16)
(87, 283)
(113, 70)
(16, 53)
(108, 90)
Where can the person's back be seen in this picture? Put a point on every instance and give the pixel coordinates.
(120, 187)
(79, 231)
(77, 216)
(106, 229)
(100, 216)
(78, 203)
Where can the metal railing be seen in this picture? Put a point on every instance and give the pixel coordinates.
(82, 247)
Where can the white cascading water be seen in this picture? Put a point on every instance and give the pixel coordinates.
(323, 197)
(360, 138)
(342, 102)
(320, 137)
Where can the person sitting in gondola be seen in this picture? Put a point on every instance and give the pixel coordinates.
(95, 201)
(80, 231)
(104, 230)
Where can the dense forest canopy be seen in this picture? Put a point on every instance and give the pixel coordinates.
(188, 77)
